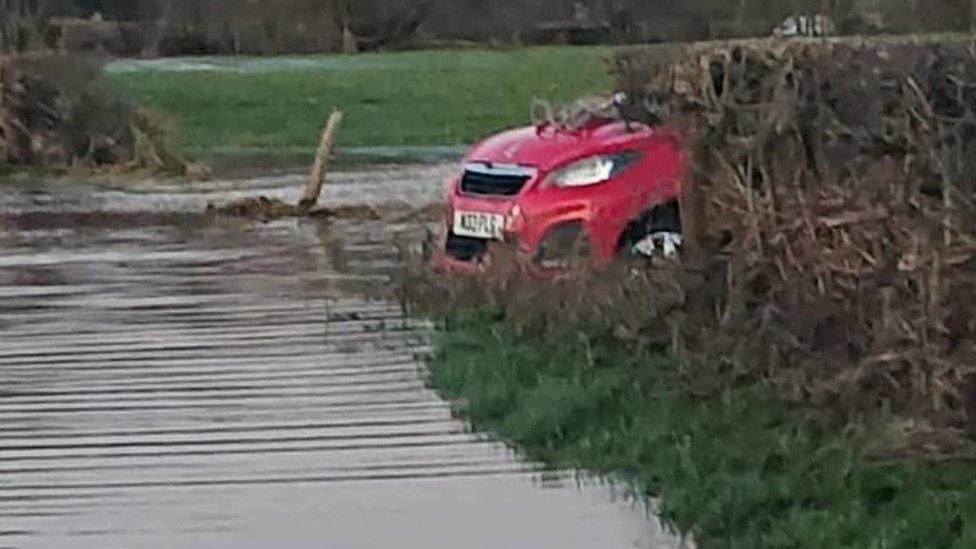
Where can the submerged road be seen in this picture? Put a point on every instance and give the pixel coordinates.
(170, 380)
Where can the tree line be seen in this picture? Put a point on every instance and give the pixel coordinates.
(279, 26)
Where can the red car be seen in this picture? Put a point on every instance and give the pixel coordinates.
(609, 187)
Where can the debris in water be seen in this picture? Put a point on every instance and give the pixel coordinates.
(267, 208)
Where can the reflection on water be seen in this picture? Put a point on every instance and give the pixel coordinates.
(184, 382)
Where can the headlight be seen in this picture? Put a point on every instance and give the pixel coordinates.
(593, 170)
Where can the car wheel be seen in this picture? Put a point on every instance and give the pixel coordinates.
(655, 234)
(663, 244)
(562, 244)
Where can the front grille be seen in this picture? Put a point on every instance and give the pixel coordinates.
(476, 183)
(464, 248)
(484, 179)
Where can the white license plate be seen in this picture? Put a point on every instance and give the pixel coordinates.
(479, 225)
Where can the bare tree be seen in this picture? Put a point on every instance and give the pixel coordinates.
(384, 23)
(21, 23)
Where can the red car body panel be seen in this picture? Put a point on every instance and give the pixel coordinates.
(604, 210)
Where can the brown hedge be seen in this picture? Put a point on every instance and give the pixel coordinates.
(833, 185)
(57, 110)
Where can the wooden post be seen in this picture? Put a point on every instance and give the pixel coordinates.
(317, 177)
(972, 16)
(3, 70)
(691, 201)
(692, 207)
(6, 131)
(970, 396)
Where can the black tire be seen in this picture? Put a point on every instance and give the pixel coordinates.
(666, 218)
(662, 218)
(562, 243)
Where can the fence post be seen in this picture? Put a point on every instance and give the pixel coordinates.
(316, 178)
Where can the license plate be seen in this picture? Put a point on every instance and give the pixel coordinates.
(479, 225)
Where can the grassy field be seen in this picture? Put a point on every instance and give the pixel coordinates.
(395, 99)
(743, 471)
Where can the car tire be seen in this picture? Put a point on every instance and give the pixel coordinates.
(662, 222)
(562, 244)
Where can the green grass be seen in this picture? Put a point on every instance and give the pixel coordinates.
(395, 99)
(741, 471)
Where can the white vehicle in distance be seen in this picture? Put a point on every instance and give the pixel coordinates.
(805, 25)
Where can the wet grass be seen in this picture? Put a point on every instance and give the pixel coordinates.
(395, 99)
(742, 471)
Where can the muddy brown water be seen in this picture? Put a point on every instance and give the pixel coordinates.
(172, 380)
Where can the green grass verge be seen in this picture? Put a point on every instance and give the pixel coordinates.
(743, 471)
(395, 99)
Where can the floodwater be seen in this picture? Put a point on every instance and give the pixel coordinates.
(388, 62)
(173, 380)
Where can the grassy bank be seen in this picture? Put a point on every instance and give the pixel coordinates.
(744, 470)
(395, 99)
